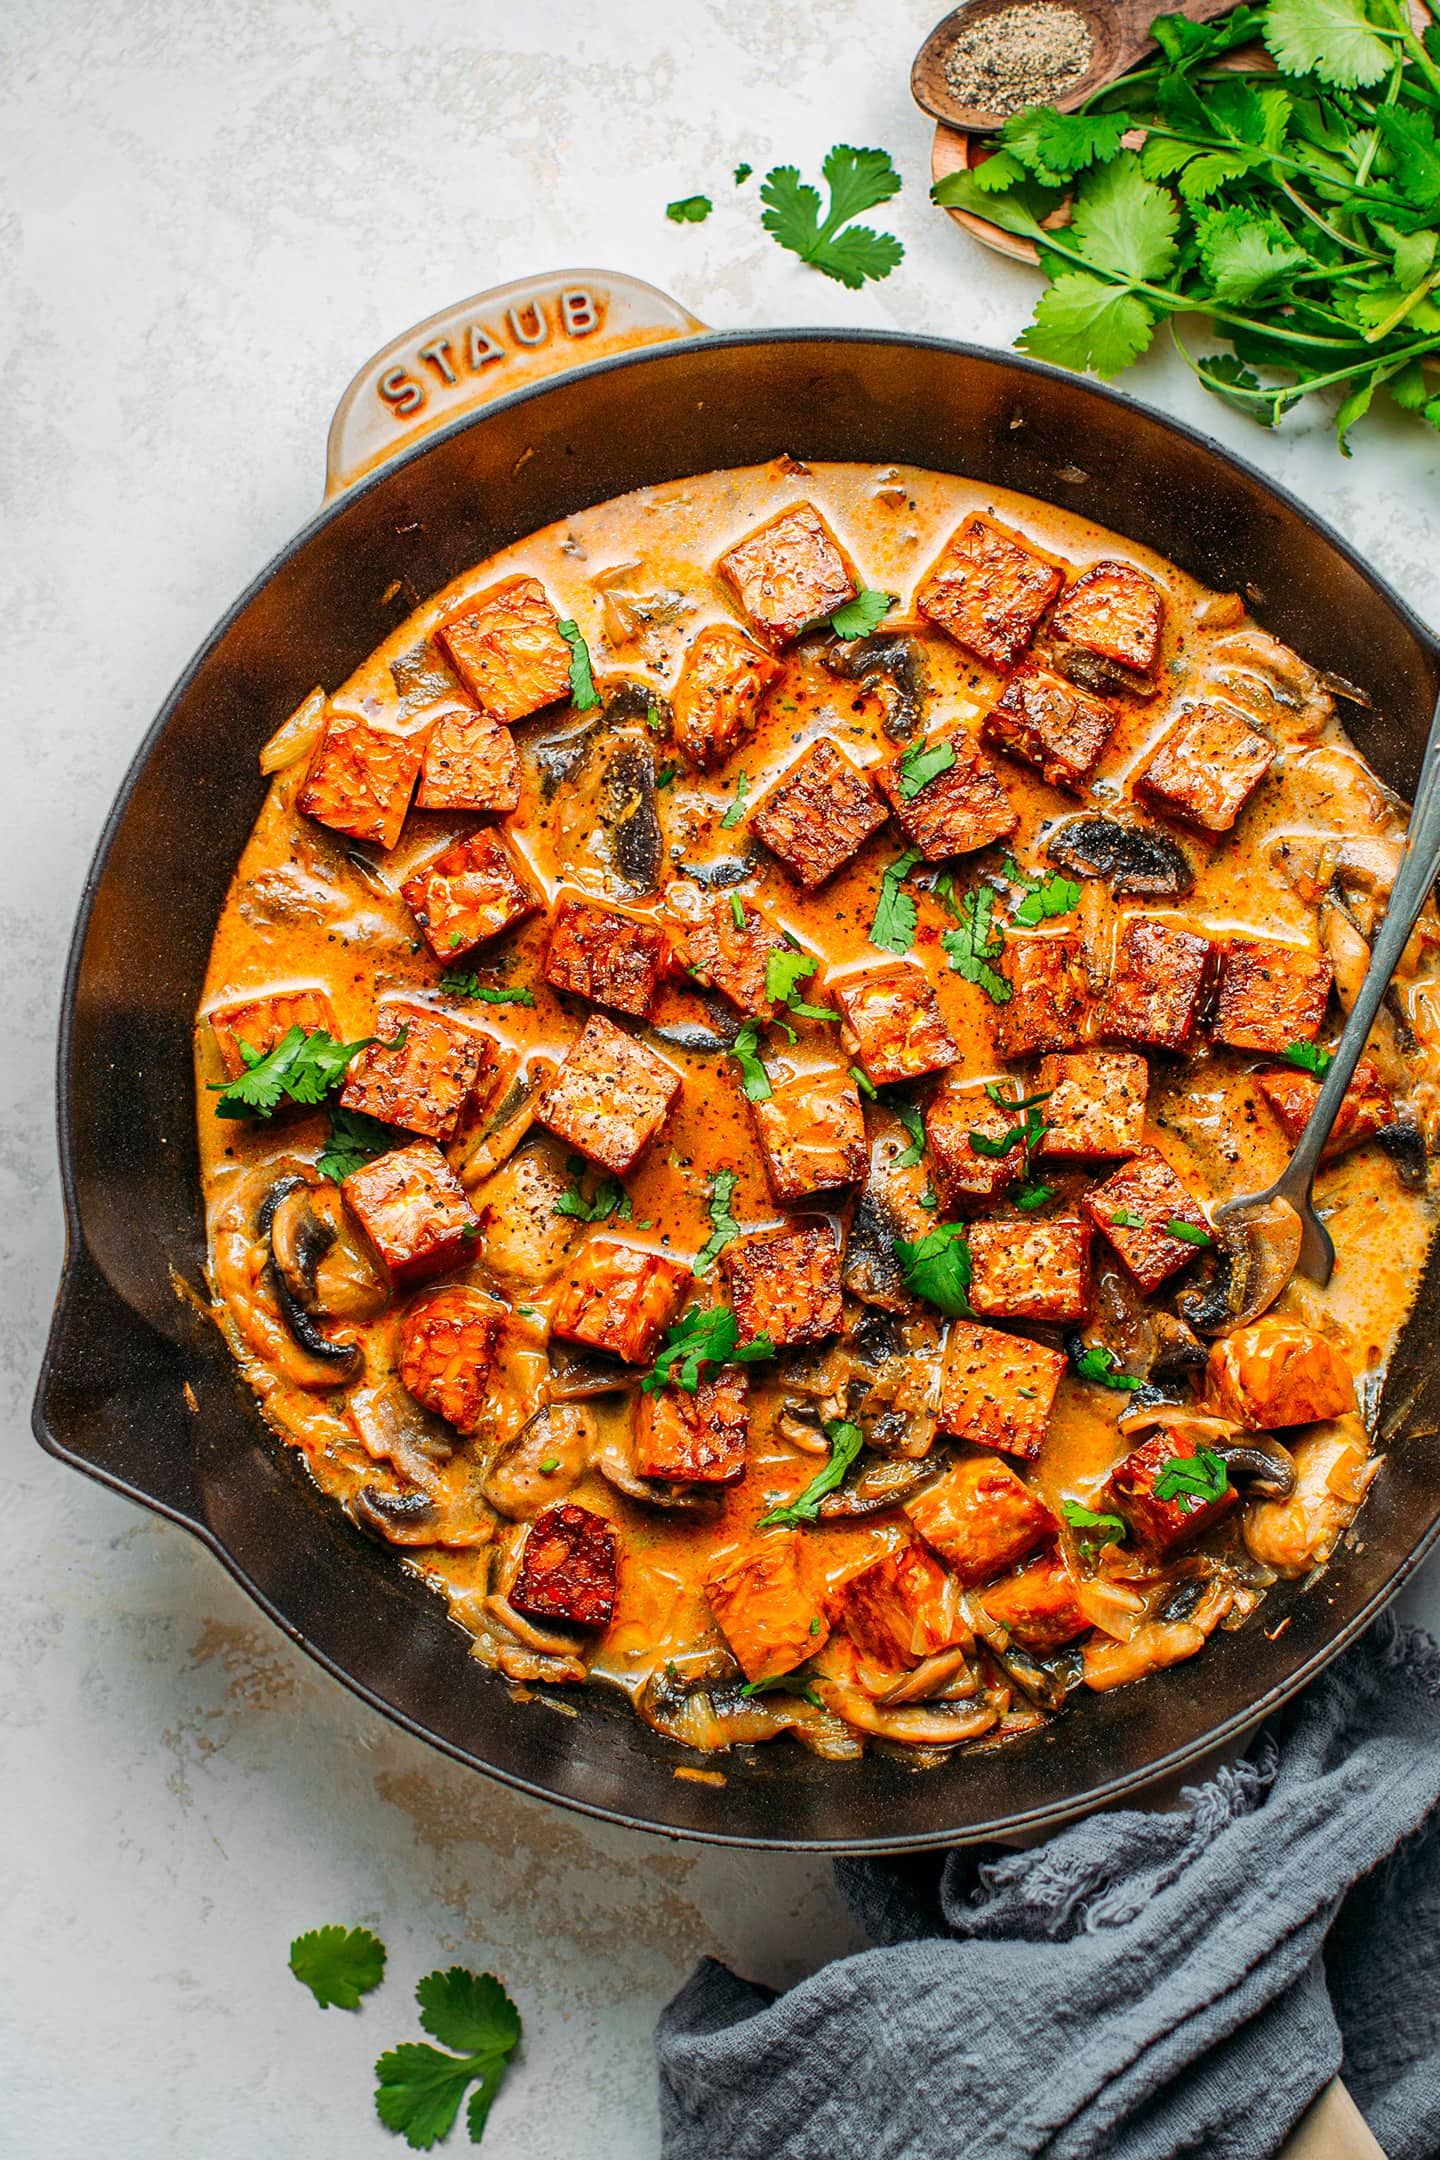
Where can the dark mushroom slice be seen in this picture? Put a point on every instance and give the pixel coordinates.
(582, 1375)
(1090, 671)
(502, 1129)
(540, 1464)
(1135, 859)
(1404, 1143)
(877, 1482)
(601, 781)
(318, 1253)
(1258, 1466)
(1047, 1682)
(728, 870)
(888, 666)
(401, 1518)
(711, 1041)
(705, 1706)
(1243, 1271)
(889, 1207)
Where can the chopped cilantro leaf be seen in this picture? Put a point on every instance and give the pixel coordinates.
(1094, 1531)
(1309, 1057)
(858, 180)
(1034, 1196)
(919, 766)
(742, 174)
(865, 1084)
(914, 1123)
(1055, 896)
(1193, 1480)
(354, 1139)
(736, 810)
(858, 617)
(455, 984)
(583, 694)
(846, 1442)
(790, 1683)
(689, 210)
(977, 943)
(896, 922)
(737, 911)
(338, 1964)
(1092, 1361)
(706, 1335)
(785, 970)
(723, 1227)
(746, 1052)
(937, 1267)
(419, 2088)
(302, 1068)
(1189, 1233)
(1125, 1218)
(609, 1198)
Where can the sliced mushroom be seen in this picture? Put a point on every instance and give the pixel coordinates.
(889, 667)
(522, 1241)
(1251, 1260)
(614, 1459)
(601, 781)
(877, 1482)
(402, 1518)
(1333, 1470)
(538, 1467)
(582, 1375)
(319, 1255)
(501, 1131)
(1134, 858)
(728, 870)
(393, 1428)
(1259, 1465)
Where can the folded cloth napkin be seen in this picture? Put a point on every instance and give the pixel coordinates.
(1140, 1986)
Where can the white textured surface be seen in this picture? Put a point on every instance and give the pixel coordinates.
(215, 212)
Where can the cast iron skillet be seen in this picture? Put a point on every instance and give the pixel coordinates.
(138, 1391)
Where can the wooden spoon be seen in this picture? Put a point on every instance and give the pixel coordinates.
(1120, 30)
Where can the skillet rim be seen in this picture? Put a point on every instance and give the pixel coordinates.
(77, 1257)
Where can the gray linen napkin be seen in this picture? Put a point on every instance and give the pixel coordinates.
(1140, 1986)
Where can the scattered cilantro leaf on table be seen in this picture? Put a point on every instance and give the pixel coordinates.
(338, 1964)
(583, 694)
(742, 174)
(689, 210)
(860, 616)
(858, 180)
(846, 1442)
(419, 2088)
(302, 1068)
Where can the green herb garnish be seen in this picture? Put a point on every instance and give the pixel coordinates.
(737, 911)
(723, 1227)
(302, 1068)
(787, 1683)
(746, 1052)
(919, 766)
(354, 1139)
(583, 694)
(338, 1965)
(1095, 1530)
(1193, 1480)
(862, 615)
(1125, 1218)
(846, 1442)
(689, 210)
(858, 180)
(785, 970)
(609, 1198)
(419, 2088)
(455, 984)
(913, 1121)
(1050, 897)
(865, 1084)
(742, 174)
(1309, 1057)
(736, 810)
(1189, 1233)
(896, 922)
(1095, 1362)
(937, 1267)
(706, 1335)
(977, 942)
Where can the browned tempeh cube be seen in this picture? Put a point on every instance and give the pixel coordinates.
(611, 958)
(694, 1439)
(981, 1518)
(722, 681)
(1270, 995)
(903, 1608)
(360, 779)
(506, 648)
(1156, 986)
(449, 1344)
(1049, 994)
(988, 591)
(610, 1096)
(472, 890)
(1049, 723)
(1096, 1104)
(1132, 1209)
(568, 1568)
(413, 1209)
(785, 1284)
(1115, 610)
(1161, 1524)
(1030, 1271)
(893, 1024)
(424, 1081)
(718, 950)
(1366, 1108)
(965, 1179)
(811, 1130)
(1038, 1605)
(469, 764)
(767, 1612)
(789, 573)
(998, 1389)
(260, 1023)
(820, 814)
(1206, 768)
(963, 808)
(619, 1298)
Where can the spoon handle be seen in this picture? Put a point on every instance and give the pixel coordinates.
(1414, 884)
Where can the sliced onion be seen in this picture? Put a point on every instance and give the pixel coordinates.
(297, 737)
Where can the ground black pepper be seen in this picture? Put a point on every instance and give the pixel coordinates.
(1025, 55)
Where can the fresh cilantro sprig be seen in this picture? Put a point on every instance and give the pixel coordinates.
(419, 2088)
(1026, 1136)
(919, 766)
(938, 1267)
(976, 943)
(1193, 1480)
(861, 616)
(609, 1198)
(302, 1068)
(785, 970)
(912, 1118)
(689, 210)
(846, 1442)
(723, 1227)
(1042, 899)
(1093, 1531)
(745, 1050)
(354, 1139)
(1310, 1057)
(857, 180)
(1093, 1361)
(583, 694)
(706, 1335)
(338, 1965)
(454, 983)
(1297, 212)
(896, 921)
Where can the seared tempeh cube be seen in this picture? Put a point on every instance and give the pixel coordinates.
(1096, 1104)
(788, 574)
(998, 1389)
(723, 679)
(819, 815)
(1160, 1524)
(421, 1072)
(605, 956)
(610, 1096)
(694, 1439)
(965, 1179)
(903, 1608)
(1038, 1605)
(1206, 768)
(766, 1610)
(413, 1209)
(1051, 724)
(619, 1298)
(260, 1023)
(1156, 986)
(1132, 1210)
(893, 1024)
(360, 779)
(981, 1518)
(716, 949)
(1278, 1372)
(1030, 1271)
(988, 591)
(568, 1568)
(1270, 995)
(785, 1284)
(469, 764)
(811, 1130)
(506, 647)
(1366, 1108)
(1115, 610)
(962, 808)
(1049, 994)
(449, 1345)
(471, 891)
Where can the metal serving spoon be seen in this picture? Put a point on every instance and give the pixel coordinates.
(1414, 884)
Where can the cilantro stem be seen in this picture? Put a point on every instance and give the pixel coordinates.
(1178, 303)
(1402, 309)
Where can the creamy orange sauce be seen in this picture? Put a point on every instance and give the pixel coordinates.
(300, 913)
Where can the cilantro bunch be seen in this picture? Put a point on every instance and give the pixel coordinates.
(1297, 210)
